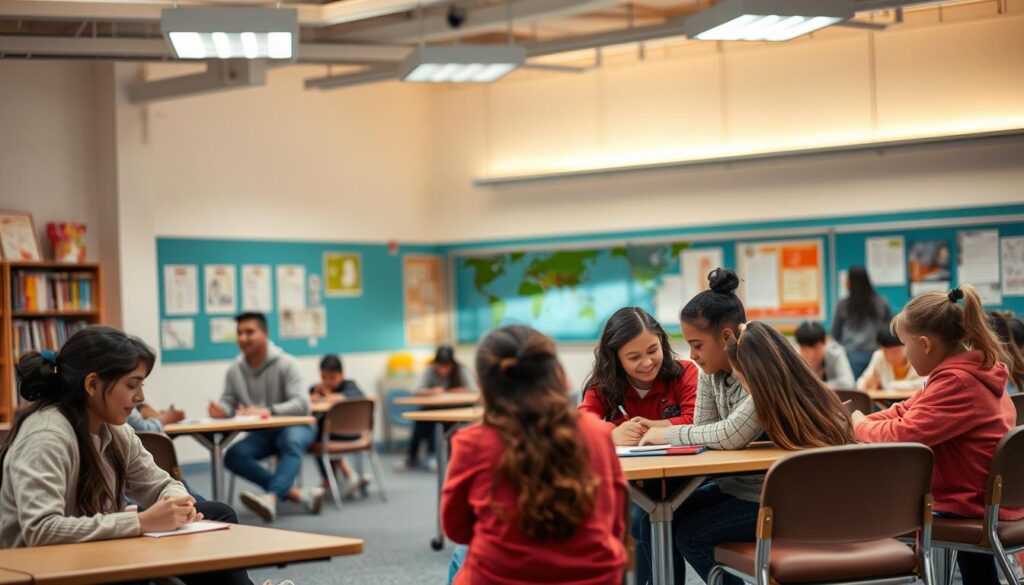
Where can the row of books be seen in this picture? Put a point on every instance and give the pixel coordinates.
(52, 291)
(37, 334)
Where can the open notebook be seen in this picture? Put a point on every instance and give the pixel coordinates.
(193, 528)
(653, 450)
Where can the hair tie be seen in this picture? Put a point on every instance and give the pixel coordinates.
(50, 357)
(955, 295)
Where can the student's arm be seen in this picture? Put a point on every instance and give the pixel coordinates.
(931, 417)
(146, 425)
(145, 480)
(296, 402)
(688, 396)
(839, 371)
(736, 431)
(870, 379)
(457, 517)
(352, 390)
(593, 404)
(229, 397)
(38, 469)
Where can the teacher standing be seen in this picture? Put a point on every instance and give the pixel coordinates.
(858, 319)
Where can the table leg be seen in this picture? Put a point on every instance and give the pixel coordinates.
(216, 443)
(661, 512)
(441, 448)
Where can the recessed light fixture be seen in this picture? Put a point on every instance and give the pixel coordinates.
(765, 20)
(231, 33)
(461, 63)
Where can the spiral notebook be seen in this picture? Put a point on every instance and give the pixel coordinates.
(654, 450)
(192, 528)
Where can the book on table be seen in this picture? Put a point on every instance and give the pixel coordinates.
(654, 450)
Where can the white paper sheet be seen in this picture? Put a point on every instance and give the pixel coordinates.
(621, 449)
(668, 298)
(221, 289)
(177, 334)
(208, 420)
(256, 287)
(696, 264)
(924, 286)
(299, 323)
(761, 278)
(193, 528)
(181, 289)
(991, 294)
(291, 286)
(979, 257)
(1013, 266)
(223, 330)
(887, 263)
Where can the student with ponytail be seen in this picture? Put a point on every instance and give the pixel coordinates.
(535, 490)
(961, 413)
(70, 457)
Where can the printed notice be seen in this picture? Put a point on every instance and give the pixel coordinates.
(221, 289)
(291, 286)
(979, 257)
(1013, 266)
(256, 288)
(886, 260)
(177, 334)
(181, 289)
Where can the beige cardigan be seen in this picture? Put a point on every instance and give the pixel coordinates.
(40, 472)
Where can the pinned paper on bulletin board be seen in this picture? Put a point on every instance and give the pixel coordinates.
(343, 274)
(696, 264)
(782, 280)
(181, 289)
(221, 288)
(1013, 266)
(256, 287)
(887, 265)
(303, 323)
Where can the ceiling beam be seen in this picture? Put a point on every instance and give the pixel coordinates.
(219, 76)
(368, 75)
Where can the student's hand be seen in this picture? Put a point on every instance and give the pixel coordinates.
(253, 411)
(216, 411)
(148, 411)
(650, 424)
(873, 382)
(171, 416)
(170, 513)
(628, 433)
(655, 436)
(857, 417)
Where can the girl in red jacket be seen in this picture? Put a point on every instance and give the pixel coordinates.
(961, 413)
(535, 489)
(638, 382)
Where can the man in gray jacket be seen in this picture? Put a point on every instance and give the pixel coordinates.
(265, 381)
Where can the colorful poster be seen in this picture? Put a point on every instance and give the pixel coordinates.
(343, 274)
(1013, 266)
(886, 262)
(223, 330)
(979, 257)
(177, 334)
(928, 261)
(221, 289)
(696, 265)
(291, 286)
(256, 286)
(181, 289)
(782, 280)
(426, 317)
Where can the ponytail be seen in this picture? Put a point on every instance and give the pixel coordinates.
(978, 335)
(940, 314)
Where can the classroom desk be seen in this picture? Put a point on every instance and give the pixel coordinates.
(451, 416)
(322, 406)
(696, 468)
(12, 577)
(445, 400)
(217, 435)
(885, 398)
(142, 558)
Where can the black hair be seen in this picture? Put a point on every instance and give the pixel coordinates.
(1016, 331)
(810, 333)
(862, 304)
(886, 338)
(259, 318)
(608, 377)
(446, 355)
(48, 379)
(718, 307)
(331, 363)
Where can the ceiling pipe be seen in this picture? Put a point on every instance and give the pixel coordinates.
(219, 76)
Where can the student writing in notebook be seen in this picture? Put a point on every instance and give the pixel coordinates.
(889, 368)
(335, 386)
(70, 458)
(637, 381)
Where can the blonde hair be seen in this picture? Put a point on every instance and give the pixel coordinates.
(939, 314)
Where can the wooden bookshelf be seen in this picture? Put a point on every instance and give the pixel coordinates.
(9, 316)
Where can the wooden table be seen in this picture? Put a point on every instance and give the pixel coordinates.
(451, 416)
(696, 468)
(145, 558)
(216, 435)
(12, 577)
(446, 399)
(885, 398)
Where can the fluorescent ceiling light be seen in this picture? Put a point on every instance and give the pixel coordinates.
(765, 20)
(231, 33)
(461, 63)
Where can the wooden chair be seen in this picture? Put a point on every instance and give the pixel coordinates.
(352, 417)
(161, 448)
(1005, 487)
(812, 527)
(1018, 401)
(859, 400)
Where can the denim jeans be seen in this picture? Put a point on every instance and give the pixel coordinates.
(706, 519)
(975, 568)
(422, 432)
(859, 361)
(458, 559)
(289, 444)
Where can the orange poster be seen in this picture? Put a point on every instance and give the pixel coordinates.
(782, 280)
(426, 319)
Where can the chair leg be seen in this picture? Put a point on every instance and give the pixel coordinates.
(231, 489)
(949, 566)
(1004, 564)
(716, 576)
(332, 479)
(378, 474)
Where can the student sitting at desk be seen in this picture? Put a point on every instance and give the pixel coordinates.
(333, 385)
(825, 357)
(265, 381)
(70, 457)
(889, 368)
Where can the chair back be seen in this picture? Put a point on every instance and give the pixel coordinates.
(161, 448)
(353, 416)
(1018, 402)
(859, 400)
(821, 495)
(1006, 476)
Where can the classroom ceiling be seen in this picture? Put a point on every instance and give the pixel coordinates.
(370, 33)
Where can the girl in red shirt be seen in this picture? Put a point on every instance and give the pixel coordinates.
(961, 413)
(638, 382)
(535, 490)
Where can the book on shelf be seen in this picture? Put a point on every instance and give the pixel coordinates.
(37, 334)
(52, 291)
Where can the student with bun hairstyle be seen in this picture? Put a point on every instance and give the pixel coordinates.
(638, 382)
(535, 489)
(70, 457)
(961, 413)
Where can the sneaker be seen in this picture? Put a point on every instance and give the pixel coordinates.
(263, 506)
(358, 488)
(313, 499)
(431, 464)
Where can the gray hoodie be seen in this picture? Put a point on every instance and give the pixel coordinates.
(276, 384)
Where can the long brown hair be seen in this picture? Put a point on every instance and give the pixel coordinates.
(51, 379)
(937, 313)
(1014, 359)
(525, 399)
(794, 406)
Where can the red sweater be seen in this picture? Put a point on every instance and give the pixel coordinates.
(498, 553)
(668, 399)
(961, 413)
